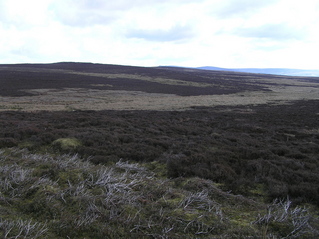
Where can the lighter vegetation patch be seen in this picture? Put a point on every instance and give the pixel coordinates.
(66, 143)
(102, 85)
(89, 99)
(159, 80)
(277, 91)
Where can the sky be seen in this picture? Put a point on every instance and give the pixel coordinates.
(190, 33)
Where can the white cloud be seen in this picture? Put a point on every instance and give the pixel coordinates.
(225, 33)
(240, 8)
(176, 33)
(83, 14)
(101, 12)
(271, 31)
(23, 14)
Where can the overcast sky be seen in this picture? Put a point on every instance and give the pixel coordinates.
(222, 33)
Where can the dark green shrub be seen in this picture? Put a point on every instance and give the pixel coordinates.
(8, 142)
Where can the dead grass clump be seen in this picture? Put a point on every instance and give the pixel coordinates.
(284, 221)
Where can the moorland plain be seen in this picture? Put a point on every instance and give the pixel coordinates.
(65, 86)
(160, 153)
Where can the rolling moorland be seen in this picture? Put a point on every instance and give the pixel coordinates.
(273, 71)
(107, 151)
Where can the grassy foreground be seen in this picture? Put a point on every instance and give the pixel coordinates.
(64, 196)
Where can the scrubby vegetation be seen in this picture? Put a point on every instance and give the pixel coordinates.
(161, 174)
(244, 148)
(64, 196)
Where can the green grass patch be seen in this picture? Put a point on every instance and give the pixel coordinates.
(66, 144)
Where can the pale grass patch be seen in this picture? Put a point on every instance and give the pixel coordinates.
(281, 91)
(166, 81)
(295, 219)
(22, 229)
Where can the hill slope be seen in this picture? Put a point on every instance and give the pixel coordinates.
(273, 71)
(87, 86)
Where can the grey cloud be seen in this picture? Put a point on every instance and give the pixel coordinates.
(176, 33)
(82, 13)
(126, 4)
(98, 12)
(2, 10)
(235, 8)
(82, 19)
(271, 31)
(4, 16)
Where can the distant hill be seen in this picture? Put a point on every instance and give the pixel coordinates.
(273, 71)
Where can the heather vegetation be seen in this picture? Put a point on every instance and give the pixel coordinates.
(208, 172)
(229, 171)
(243, 148)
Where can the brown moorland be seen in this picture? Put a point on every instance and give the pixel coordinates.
(188, 153)
(86, 86)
